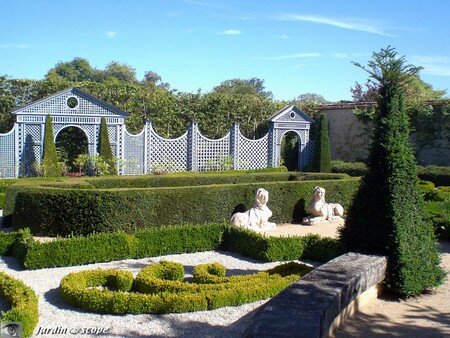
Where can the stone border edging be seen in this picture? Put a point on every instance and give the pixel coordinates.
(310, 306)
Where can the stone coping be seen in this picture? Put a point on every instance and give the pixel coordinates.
(312, 306)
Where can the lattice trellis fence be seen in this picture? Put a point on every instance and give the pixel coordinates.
(22, 147)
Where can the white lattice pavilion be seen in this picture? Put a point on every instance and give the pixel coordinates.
(23, 145)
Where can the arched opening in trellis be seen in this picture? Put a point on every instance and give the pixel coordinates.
(70, 143)
(290, 150)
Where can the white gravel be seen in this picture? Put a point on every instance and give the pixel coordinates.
(55, 314)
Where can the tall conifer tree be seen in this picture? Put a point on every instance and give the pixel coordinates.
(387, 216)
(322, 155)
(50, 165)
(104, 148)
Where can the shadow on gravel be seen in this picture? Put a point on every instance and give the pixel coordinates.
(193, 329)
(10, 263)
(379, 325)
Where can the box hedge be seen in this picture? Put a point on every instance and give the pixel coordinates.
(159, 241)
(58, 211)
(24, 304)
(264, 248)
(159, 289)
(105, 247)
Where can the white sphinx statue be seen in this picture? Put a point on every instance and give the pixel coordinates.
(320, 210)
(257, 217)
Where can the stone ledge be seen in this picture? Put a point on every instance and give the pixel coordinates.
(311, 306)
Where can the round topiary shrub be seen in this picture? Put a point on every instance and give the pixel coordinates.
(24, 303)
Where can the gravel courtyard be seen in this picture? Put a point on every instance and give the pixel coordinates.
(54, 313)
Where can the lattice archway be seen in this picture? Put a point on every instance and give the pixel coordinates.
(71, 107)
(72, 141)
(291, 119)
(283, 134)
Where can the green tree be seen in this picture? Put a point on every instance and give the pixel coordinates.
(322, 156)
(387, 216)
(119, 71)
(253, 86)
(50, 165)
(76, 70)
(104, 149)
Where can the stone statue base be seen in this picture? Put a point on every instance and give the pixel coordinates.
(265, 227)
(321, 220)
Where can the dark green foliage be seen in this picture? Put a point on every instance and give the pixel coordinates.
(289, 151)
(388, 216)
(71, 142)
(24, 304)
(322, 155)
(50, 160)
(160, 290)
(440, 176)
(321, 249)
(83, 211)
(7, 240)
(193, 179)
(350, 168)
(115, 246)
(437, 205)
(104, 148)
(2, 200)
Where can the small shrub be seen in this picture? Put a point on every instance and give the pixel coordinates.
(24, 303)
(7, 240)
(209, 273)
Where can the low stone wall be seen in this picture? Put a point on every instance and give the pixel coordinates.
(317, 303)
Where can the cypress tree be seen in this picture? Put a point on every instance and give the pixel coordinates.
(104, 148)
(50, 165)
(322, 155)
(387, 215)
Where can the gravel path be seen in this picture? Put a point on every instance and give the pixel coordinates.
(54, 312)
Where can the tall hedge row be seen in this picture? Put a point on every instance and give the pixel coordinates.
(56, 211)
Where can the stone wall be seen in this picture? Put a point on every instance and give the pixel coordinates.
(350, 138)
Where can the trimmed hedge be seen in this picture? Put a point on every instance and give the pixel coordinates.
(24, 303)
(181, 180)
(107, 247)
(52, 211)
(160, 289)
(350, 168)
(153, 242)
(440, 176)
(314, 247)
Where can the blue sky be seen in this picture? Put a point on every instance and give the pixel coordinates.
(295, 46)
